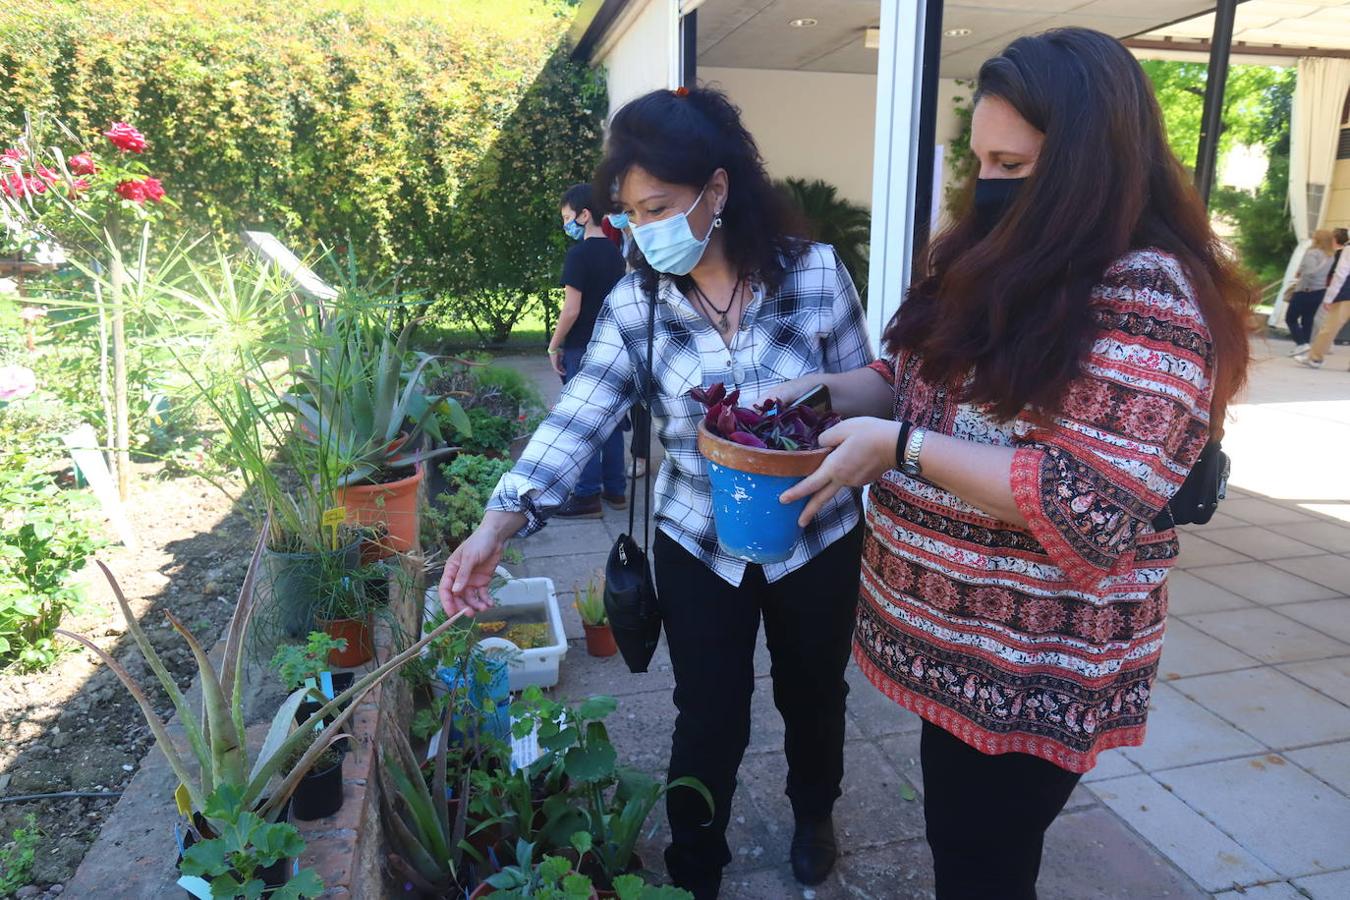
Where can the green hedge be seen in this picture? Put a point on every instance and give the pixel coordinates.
(320, 120)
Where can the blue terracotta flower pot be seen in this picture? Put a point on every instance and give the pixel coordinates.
(746, 483)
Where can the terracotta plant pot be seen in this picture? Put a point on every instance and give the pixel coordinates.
(360, 647)
(600, 640)
(393, 505)
(746, 483)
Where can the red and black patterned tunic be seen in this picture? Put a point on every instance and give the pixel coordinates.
(1045, 640)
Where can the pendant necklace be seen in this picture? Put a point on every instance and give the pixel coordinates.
(723, 323)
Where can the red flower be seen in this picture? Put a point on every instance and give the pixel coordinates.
(13, 185)
(124, 137)
(13, 153)
(35, 185)
(131, 190)
(77, 185)
(82, 164)
(46, 174)
(154, 191)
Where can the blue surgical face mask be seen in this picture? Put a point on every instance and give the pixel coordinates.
(574, 229)
(619, 220)
(670, 245)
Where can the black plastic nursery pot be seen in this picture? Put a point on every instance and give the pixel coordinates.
(319, 793)
(273, 876)
(307, 708)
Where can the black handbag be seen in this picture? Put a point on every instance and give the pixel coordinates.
(1198, 497)
(630, 590)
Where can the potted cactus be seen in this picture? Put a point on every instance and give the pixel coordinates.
(754, 455)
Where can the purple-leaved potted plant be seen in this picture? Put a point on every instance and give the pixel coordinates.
(754, 454)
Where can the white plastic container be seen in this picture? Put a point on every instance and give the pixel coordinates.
(538, 666)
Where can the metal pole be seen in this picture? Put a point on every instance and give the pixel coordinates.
(1216, 79)
(923, 181)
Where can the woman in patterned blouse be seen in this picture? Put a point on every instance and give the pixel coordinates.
(1049, 385)
(739, 301)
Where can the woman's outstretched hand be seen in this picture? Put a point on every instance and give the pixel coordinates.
(470, 569)
(864, 448)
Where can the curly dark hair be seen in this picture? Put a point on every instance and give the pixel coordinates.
(1007, 314)
(683, 137)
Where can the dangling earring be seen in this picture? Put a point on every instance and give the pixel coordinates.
(717, 220)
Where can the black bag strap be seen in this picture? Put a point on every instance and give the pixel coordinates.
(648, 392)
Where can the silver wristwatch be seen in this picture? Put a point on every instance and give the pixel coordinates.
(910, 464)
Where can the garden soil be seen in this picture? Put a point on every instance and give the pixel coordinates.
(74, 728)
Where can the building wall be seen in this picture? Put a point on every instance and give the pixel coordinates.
(1338, 210)
(637, 59)
(808, 124)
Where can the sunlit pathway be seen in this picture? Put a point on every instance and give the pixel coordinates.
(1245, 778)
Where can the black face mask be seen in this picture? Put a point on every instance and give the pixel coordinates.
(993, 198)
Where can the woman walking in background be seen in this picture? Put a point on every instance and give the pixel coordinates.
(1309, 286)
(1050, 385)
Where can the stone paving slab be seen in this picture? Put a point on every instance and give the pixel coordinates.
(1202, 851)
(1331, 886)
(1268, 636)
(1271, 707)
(1290, 820)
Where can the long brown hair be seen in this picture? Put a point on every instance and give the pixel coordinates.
(1010, 312)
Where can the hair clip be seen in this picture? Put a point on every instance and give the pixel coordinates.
(681, 91)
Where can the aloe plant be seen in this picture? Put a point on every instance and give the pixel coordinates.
(356, 402)
(215, 733)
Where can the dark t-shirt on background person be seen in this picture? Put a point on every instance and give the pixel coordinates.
(593, 267)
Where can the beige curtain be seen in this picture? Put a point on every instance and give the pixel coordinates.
(1314, 132)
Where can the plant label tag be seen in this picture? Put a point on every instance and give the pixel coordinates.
(332, 518)
(197, 887)
(326, 684)
(183, 800)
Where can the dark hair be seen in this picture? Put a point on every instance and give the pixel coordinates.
(683, 137)
(1342, 236)
(582, 196)
(1010, 311)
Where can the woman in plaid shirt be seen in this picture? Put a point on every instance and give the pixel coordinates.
(741, 300)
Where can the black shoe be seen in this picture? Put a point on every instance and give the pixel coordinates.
(581, 508)
(618, 501)
(813, 851)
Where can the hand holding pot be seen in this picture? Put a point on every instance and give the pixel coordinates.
(469, 570)
(864, 449)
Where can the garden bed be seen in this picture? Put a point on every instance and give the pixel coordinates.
(72, 727)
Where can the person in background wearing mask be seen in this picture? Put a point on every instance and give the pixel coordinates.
(1049, 386)
(590, 270)
(1313, 274)
(1335, 308)
(738, 298)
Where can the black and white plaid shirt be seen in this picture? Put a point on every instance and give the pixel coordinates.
(812, 323)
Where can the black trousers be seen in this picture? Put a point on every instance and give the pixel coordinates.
(1300, 314)
(711, 628)
(987, 816)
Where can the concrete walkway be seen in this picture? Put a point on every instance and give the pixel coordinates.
(1243, 787)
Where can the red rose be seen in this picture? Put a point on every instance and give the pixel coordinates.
(77, 185)
(131, 190)
(46, 174)
(124, 137)
(82, 164)
(13, 185)
(154, 191)
(13, 153)
(36, 185)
